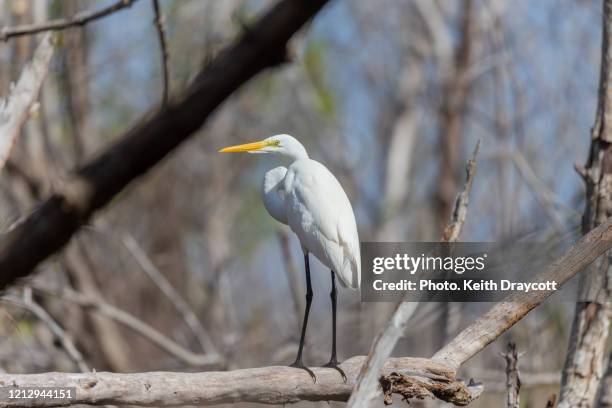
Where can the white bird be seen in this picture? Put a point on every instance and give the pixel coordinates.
(307, 197)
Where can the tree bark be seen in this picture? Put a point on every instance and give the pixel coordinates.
(605, 398)
(584, 363)
(505, 314)
(266, 385)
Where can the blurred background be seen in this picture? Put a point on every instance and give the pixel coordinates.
(390, 95)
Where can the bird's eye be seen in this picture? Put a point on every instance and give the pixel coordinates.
(275, 142)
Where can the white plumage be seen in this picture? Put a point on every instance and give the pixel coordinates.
(307, 197)
(320, 214)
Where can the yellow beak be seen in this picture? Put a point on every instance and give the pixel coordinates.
(247, 147)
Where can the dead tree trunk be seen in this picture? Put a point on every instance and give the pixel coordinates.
(584, 364)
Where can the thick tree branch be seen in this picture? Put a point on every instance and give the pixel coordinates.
(278, 385)
(267, 385)
(79, 19)
(15, 109)
(91, 187)
(605, 397)
(505, 314)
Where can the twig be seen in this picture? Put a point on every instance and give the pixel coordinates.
(50, 227)
(15, 109)
(59, 333)
(513, 381)
(79, 19)
(366, 391)
(171, 293)
(161, 33)
(140, 327)
(453, 230)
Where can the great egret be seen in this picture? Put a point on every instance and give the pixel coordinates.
(307, 197)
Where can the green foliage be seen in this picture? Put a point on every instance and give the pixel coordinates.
(314, 65)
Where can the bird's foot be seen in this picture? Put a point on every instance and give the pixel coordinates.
(299, 364)
(333, 363)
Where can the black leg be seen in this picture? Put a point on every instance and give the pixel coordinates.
(298, 360)
(333, 361)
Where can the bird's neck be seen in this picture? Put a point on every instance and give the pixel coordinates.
(295, 155)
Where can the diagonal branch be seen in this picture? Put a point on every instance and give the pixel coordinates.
(163, 45)
(79, 19)
(366, 390)
(506, 314)
(180, 304)
(16, 108)
(91, 187)
(59, 333)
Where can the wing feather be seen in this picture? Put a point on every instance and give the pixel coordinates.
(320, 213)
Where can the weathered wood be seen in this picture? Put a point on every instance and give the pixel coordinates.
(366, 391)
(505, 314)
(584, 364)
(267, 385)
(513, 381)
(17, 106)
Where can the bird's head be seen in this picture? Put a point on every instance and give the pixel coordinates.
(281, 145)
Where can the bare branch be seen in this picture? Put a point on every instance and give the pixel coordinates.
(605, 396)
(161, 33)
(49, 228)
(267, 385)
(79, 19)
(140, 327)
(171, 293)
(17, 107)
(366, 390)
(513, 381)
(505, 314)
(60, 334)
(452, 231)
